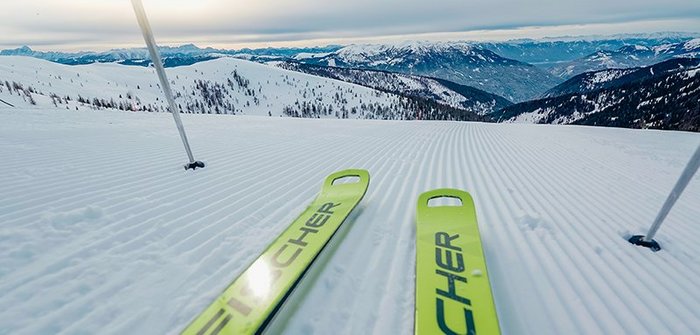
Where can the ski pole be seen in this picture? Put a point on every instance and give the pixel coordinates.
(688, 173)
(164, 83)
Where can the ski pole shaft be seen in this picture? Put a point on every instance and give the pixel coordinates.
(158, 64)
(683, 181)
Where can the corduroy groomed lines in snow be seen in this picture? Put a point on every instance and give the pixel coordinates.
(72, 211)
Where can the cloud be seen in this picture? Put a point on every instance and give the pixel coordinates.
(111, 22)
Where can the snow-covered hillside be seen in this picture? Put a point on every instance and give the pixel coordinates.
(588, 81)
(662, 96)
(103, 232)
(592, 81)
(439, 90)
(221, 86)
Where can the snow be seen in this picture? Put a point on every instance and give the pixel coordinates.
(307, 55)
(360, 53)
(664, 48)
(692, 73)
(604, 59)
(104, 232)
(532, 117)
(272, 88)
(605, 76)
(411, 85)
(692, 44)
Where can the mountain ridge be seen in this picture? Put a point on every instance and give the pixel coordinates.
(439, 90)
(668, 100)
(458, 62)
(628, 56)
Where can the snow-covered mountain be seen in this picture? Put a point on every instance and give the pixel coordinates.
(500, 68)
(221, 86)
(664, 96)
(438, 90)
(627, 56)
(689, 49)
(544, 52)
(173, 56)
(459, 62)
(549, 52)
(186, 54)
(595, 80)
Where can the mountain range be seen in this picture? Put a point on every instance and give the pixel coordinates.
(661, 96)
(458, 62)
(626, 57)
(442, 91)
(179, 56)
(513, 81)
(547, 52)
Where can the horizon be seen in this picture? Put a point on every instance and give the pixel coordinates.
(282, 45)
(110, 24)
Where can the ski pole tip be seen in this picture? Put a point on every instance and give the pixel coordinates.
(642, 242)
(194, 165)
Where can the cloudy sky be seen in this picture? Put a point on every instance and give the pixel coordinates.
(105, 24)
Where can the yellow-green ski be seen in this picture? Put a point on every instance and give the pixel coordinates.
(453, 294)
(249, 303)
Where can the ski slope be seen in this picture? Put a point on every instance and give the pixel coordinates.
(102, 231)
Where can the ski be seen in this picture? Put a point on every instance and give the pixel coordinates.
(251, 300)
(453, 294)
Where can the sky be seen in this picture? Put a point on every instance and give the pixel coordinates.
(105, 24)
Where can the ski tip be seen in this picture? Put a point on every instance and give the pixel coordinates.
(347, 179)
(464, 197)
(640, 241)
(449, 253)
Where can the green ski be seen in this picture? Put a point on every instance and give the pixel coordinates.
(252, 299)
(453, 294)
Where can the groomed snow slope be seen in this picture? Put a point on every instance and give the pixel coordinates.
(103, 232)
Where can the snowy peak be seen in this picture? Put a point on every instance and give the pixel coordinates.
(414, 48)
(621, 56)
(628, 56)
(596, 80)
(662, 96)
(632, 49)
(588, 81)
(408, 54)
(687, 49)
(459, 62)
(21, 51)
(692, 45)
